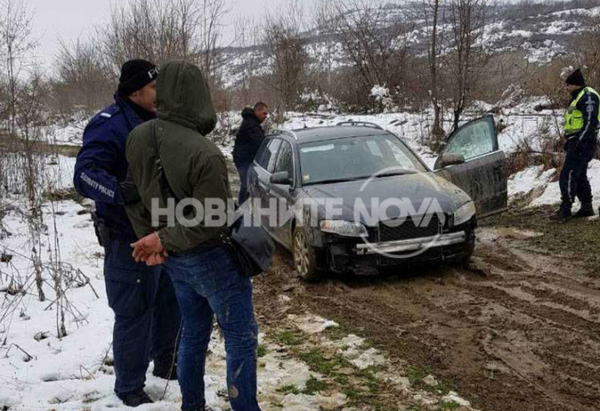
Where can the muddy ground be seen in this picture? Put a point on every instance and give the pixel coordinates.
(519, 329)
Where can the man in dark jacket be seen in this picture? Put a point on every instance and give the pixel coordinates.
(247, 141)
(207, 281)
(581, 131)
(146, 313)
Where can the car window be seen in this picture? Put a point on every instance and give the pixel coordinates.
(285, 161)
(261, 152)
(473, 140)
(400, 156)
(375, 149)
(355, 158)
(268, 156)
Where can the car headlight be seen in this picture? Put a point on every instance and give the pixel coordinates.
(464, 213)
(343, 228)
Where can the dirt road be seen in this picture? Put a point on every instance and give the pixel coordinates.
(518, 330)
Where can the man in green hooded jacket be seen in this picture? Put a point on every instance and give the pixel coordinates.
(207, 282)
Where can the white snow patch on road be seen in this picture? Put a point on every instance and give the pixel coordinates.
(369, 358)
(312, 324)
(454, 397)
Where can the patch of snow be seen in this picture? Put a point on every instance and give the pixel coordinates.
(529, 179)
(369, 358)
(430, 380)
(312, 324)
(534, 179)
(454, 397)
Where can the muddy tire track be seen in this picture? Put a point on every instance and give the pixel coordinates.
(519, 330)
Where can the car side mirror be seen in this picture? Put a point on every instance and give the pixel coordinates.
(281, 178)
(451, 159)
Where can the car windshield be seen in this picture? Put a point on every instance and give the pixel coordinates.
(356, 158)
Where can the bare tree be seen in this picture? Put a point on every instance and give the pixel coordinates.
(209, 25)
(374, 41)
(433, 13)
(324, 24)
(468, 58)
(83, 79)
(247, 39)
(16, 43)
(284, 47)
(162, 30)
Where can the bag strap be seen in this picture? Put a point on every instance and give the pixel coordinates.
(165, 187)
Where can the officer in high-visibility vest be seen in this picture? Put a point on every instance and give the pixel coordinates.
(581, 129)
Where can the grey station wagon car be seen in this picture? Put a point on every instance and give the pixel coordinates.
(354, 169)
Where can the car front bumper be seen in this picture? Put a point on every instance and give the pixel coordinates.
(415, 244)
(368, 258)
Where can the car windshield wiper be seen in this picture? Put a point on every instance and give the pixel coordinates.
(397, 172)
(337, 180)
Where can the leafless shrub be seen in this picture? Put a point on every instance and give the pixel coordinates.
(84, 81)
(375, 44)
(163, 30)
(285, 48)
(16, 43)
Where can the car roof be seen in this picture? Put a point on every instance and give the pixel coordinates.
(316, 134)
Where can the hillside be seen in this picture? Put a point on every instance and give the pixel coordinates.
(539, 31)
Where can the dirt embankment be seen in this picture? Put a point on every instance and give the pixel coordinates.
(518, 330)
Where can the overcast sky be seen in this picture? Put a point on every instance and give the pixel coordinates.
(66, 20)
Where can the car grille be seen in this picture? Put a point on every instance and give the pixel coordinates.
(409, 230)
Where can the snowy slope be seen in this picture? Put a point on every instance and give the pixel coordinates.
(541, 36)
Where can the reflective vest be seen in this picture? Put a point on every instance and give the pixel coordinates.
(574, 117)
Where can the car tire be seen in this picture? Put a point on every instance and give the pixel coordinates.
(305, 257)
(469, 249)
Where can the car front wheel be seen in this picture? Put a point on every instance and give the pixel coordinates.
(305, 257)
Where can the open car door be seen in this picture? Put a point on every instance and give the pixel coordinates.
(472, 161)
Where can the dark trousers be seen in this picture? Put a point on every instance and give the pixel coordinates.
(243, 172)
(147, 316)
(573, 180)
(207, 284)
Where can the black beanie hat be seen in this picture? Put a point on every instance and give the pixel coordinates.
(135, 75)
(576, 78)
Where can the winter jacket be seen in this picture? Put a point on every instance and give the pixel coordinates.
(194, 166)
(587, 105)
(584, 141)
(248, 138)
(101, 166)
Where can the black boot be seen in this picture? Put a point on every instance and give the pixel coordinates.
(135, 398)
(165, 367)
(563, 213)
(586, 210)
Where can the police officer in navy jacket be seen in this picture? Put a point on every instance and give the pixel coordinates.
(147, 317)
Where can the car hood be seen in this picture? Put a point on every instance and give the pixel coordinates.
(420, 193)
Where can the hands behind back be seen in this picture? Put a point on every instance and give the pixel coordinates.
(149, 250)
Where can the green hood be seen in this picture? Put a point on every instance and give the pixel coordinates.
(183, 97)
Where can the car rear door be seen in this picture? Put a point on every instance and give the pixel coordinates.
(483, 175)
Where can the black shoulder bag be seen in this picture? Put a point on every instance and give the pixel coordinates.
(250, 245)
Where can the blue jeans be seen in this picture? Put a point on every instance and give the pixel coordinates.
(208, 282)
(243, 172)
(147, 316)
